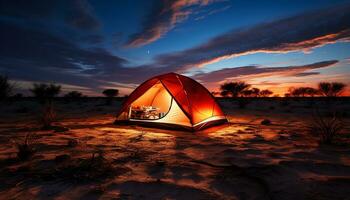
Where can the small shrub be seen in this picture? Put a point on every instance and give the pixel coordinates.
(47, 117)
(327, 128)
(45, 92)
(266, 122)
(72, 143)
(25, 148)
(110, 94)
(91, 169)
(5, 87)
(73, 96)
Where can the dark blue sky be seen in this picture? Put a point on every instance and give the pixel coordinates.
(91, 45)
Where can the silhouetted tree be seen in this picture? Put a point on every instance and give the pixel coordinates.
(247, 93)
(234, 89)
(255, 92)
(5, 87)
(110, 93)
(45, 92)
(287, 95)
(73, 95)
(265, 93)
(224, 93)
(303, 92)
(311, 92)
(333, 89)
(297, 92)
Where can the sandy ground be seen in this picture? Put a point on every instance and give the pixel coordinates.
(95, 159)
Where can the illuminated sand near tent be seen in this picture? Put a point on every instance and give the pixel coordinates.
(279, 161)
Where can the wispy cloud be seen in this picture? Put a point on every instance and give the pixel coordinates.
(242, 72)
(163, 17)
(205, 14)
(277, 79)
(35, 54)
(299, 33)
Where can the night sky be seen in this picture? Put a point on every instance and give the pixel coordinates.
(89, 45)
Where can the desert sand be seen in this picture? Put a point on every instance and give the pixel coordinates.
(95, 159)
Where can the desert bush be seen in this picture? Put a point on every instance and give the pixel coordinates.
(303, 92)
(333, 89)
(73, 96)
(234, 89)
(255, 92)
(5, 87)
(90, 169)
(326, 127)
(45, 92)
(47, 116)
(25, 147)
(110, 93)
(266, 122)
(72, 142)
(265, 93)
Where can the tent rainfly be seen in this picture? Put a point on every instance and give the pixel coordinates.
(174, 101)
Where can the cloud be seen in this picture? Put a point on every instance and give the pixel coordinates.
(163, 17)
(299, 33)
(231, 73)
(34, 55)
(76, 13)
(206, 14)
(307, 74)
(29, 54)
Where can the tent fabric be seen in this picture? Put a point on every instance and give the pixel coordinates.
(195, 104)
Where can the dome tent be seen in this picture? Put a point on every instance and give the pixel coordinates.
(174, 101)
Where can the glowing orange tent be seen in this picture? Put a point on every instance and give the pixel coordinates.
(172, 100)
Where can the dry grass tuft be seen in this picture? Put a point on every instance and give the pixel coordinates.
(326, 127)
(72, 142)
(25, 148)
(47, 117)
(266, 122)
